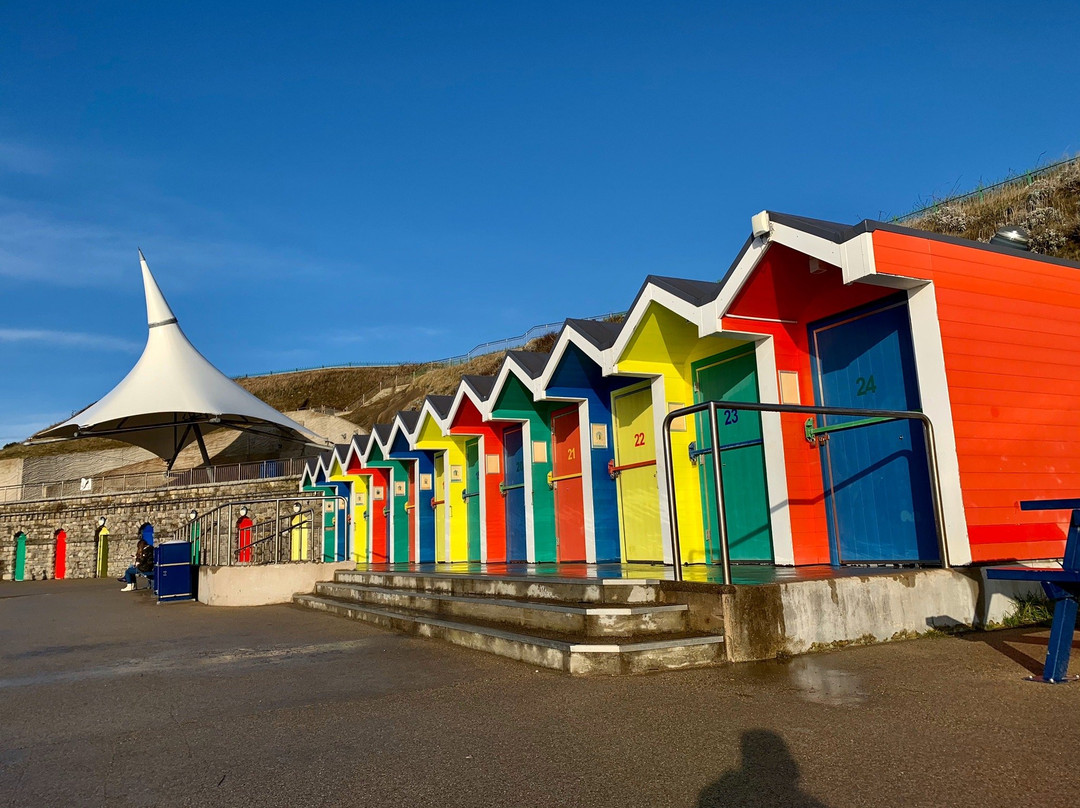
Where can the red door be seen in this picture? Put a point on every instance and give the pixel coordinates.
(566, 479)
(243, 539)
(380, 519)
(61, 554)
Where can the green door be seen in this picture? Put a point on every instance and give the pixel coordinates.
(20, 556)
(472, 496)
(733, 376)
(329, 529)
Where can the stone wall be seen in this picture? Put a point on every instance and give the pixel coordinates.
(167, 510)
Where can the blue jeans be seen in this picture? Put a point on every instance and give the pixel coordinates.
(129, 576)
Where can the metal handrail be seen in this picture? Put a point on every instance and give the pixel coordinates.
(217, 533)
(307, 521)
(869, 417)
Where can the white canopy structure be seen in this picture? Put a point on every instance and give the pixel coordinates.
(174, 396)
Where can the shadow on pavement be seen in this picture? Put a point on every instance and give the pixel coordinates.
(768, 777)
(1005, 642)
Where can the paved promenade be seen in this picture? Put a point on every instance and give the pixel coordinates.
(108, 699)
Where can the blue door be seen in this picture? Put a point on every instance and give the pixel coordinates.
(514, 492)
(877, 486)
(146, 533)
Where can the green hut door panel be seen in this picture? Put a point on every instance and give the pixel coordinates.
(733, 376)
(20, 557)
(472, 493)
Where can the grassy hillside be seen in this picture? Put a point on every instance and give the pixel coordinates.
(1046, 202)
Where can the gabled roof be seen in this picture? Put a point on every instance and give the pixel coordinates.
(475, 388)
(382, 433)
(594, 338)
(405, 423)
(174, 396)
(357, 449)
(440, 404)
(526, 366)
(481, 385)
(408, 419)
(841, 233)
(532, 362)
(601, 334)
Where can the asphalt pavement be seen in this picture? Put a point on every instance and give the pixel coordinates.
(109, 699)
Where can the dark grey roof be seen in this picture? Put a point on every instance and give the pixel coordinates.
(481, 385)
(600, 334)
(409, 419)
(697, 293)
(441, 404)
(361, 442)
(382, 432)
(839, 233)
(532, 362)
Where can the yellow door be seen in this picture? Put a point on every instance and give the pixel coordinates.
(438, 504)
(635, 465)
(360, 521)
(300, 535)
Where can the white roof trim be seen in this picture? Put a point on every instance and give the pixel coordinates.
(509, 367)
(567, 337)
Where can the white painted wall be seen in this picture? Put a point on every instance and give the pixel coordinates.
(262, 585)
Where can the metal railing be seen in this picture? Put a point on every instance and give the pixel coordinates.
(282, 530)
(867, 418)
(152, 480)
(481, 349)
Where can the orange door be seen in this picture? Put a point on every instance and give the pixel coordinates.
(566, 480)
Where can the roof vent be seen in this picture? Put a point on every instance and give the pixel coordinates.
(1012, 236)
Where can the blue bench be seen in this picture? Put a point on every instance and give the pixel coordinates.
(1061, 584)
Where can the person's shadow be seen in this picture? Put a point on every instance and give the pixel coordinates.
(769, 776)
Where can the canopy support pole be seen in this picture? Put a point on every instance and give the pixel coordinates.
(202, 445)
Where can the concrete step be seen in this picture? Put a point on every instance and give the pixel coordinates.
(614, 656)
(584, 620)
(637, 591)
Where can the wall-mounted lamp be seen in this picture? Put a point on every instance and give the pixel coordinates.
(297, 507)
(243, 510)
(193, 515)
(760, 224)
(101, 521)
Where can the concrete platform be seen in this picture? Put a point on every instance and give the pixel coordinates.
(768, 612)
(276, 707)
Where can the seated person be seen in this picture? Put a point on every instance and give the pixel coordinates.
(144, 563)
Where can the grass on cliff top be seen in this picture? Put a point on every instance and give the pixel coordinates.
(1047, 204)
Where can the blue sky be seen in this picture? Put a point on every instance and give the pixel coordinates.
(316, 183)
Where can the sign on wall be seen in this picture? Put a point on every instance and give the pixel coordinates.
(679, 424)
(599, 436)
(492, 463)
(539, 451)
(425, 482)
(399, 488)
(456, 474)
